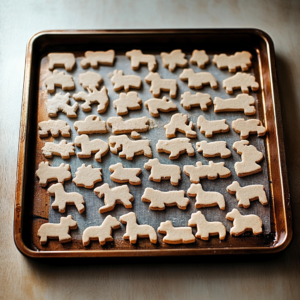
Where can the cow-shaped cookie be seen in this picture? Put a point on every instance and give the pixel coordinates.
(62, 149)
(122, 175)
(213, 149)
(208, 127)
(199, 99)
(92, 58)
(200, 58)
(160, 105)
(240, 81)
(174, 59)
(138, 58)
(54, 127)
(121, 81)
(61, 80)
(120, 126)
(247, 127)
(197, 80)
(91, 124)
(65, 60)
(129, 101)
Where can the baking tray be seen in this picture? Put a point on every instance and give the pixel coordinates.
(33, 203)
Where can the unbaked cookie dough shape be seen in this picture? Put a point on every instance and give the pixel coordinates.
(179, 123)
(62, 149)
(119, 126)
(160, 105)
(247, 127)
(138, 58)
(90, 80)
(91, 124)
(240, 81)
(121, 81)
(123, 175)
(197, 100)
(199, 58)
(126, 102)
(66, 60)
(61, 80)
(213, 149)
(54, 128)
(209, 128)
(197, 80)
(174, 59)
(87, 176)
(105, 58)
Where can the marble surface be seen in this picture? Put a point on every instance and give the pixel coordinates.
(246, 277)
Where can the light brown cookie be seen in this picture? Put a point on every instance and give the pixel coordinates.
(158, 84)
(65, 60)
(242, 223)
(121, 81)
(113, 196)
(200, 58)
(210, 127)
(248, 127)
(159, 200)
(90, 80)
(120, 126)
(129, 101)
(240, 81)
(156, 105)
(54, 128)
(138, 58)
(199, 99)
(61, 80)
(213, 149)
(135, 135)
(179, 123)
(87, 176)
(91, 124)
(123, 175)
(174, 59)
(105, 58)
(197, 80)
(135, 231)
(62, 149)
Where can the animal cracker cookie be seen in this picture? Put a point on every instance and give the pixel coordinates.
(159, 200)
(105, 58)
(242, 223)
(240, 81)
(129, 101)
(102, 233)
(245, 128)
(205, 199)
(66, 60)
(175, 147)
(62, 149)
(248, 193)
(113, 196)
(129, 148)
(120, 81)
(179, 123)
(250, 157)
(91, 124)
(211, 171)
(135, 135)
(176, 235)
(238, 60)
(59, 79)
(200, 58)
(165, 172)
(213, 149)
(199, 99)
(197, 80)
(62, 198)
(243, 102)
(135, 231)
(156, 105)
(138, 58)
(87, 176)
(174, 59)
(60, 102)
(158, 84)
(54, 128)
(88, 147)
(90, 80)
(205, 228)
(210, 127)
(93, 96)
(46, 173)
(120, 126)
(122, 175)
(57, 231)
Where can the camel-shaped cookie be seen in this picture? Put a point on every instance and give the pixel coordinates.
(210, 171)
(60, 102)
(197, 100)
(138, 58)
(242, 223)
(120, 81)
(159, 200)
(232, 62)
(91, 124)
(160, 105)
(62, 149)
(248, 193)
(129, 101)
(129, 148)
(250, 157)
(160, 171)
(135, 231)
(247, 127)
(197, 80)
(46, 173)
(213, 149)
(65, 60)
(88, 147)
(93, 96)
(62, 198)
(113, 196)
(90, 80)
(176, 235)
(205, 229)
(200, 58)
(102, 233)
(54, 128)
(122, 175)
(205, 199)
(175, 147)
(61, 80)
(240, 81)
(105, 58)
(210, 127)
(173, 59)
(179, 123)
(120, 126)
(57, 231)
(87, 176)
(243, 102)
(158, 84)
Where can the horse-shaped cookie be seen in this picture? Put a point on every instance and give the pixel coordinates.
(213, 149)
(91, 124)
(240, 81)
(179, 123)
(122, 175)
(92, 58)
(160, 105)
(62, 149)
(65, 60)
(54, 127)
(87, 176)
(129, 101)
(208, 127)
(199, 99)
(173, 59)
(197, 80)
(61, 80)
(200, 58)
(125, 81)
(138, 58)
(247, 127)
(120, 126)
